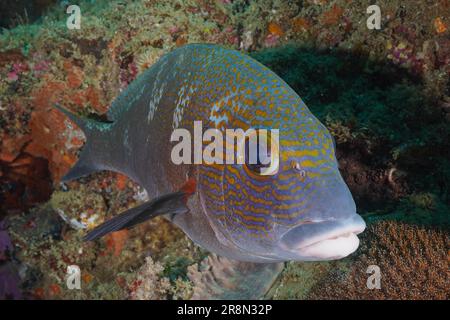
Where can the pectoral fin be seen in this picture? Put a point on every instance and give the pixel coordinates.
(172, 204)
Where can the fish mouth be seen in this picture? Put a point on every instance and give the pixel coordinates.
(323, 240)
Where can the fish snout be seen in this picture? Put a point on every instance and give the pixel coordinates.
(323, 240)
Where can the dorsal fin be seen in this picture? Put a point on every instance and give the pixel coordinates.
(96, 139)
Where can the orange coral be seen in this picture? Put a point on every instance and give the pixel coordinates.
(54, 290)
(116, 241)
(49, 135)
(46, 128)
(181, 41)
(121, 181)
(93, 98)
(275, 29)
(332, 16)
(47, 94)
(439, 25)
(87, 278)
(300, 24)
(74, 74)
(11, 147)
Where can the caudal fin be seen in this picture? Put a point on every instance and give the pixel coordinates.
(91, 157)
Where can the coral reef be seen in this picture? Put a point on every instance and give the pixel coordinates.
(71, 205)
(413, 262)
(48, 239)
(148, 284)
(109, 268)
(221, 278)
(84, 71)
(298, 278)
(383, 94)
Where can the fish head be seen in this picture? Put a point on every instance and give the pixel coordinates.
(301, 211)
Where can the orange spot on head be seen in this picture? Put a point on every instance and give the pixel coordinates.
(189, 187)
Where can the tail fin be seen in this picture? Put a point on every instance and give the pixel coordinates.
(90, 159)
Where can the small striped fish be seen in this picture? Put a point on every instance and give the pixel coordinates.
(302, 212)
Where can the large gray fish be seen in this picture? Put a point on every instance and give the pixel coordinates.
(304, 211)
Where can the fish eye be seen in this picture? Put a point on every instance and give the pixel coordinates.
(261, 156)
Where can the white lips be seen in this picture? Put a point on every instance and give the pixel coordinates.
(334, 248)
(323, 240)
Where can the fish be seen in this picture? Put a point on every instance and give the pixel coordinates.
(303, 211)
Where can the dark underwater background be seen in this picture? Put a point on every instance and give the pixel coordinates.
(383, 94)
